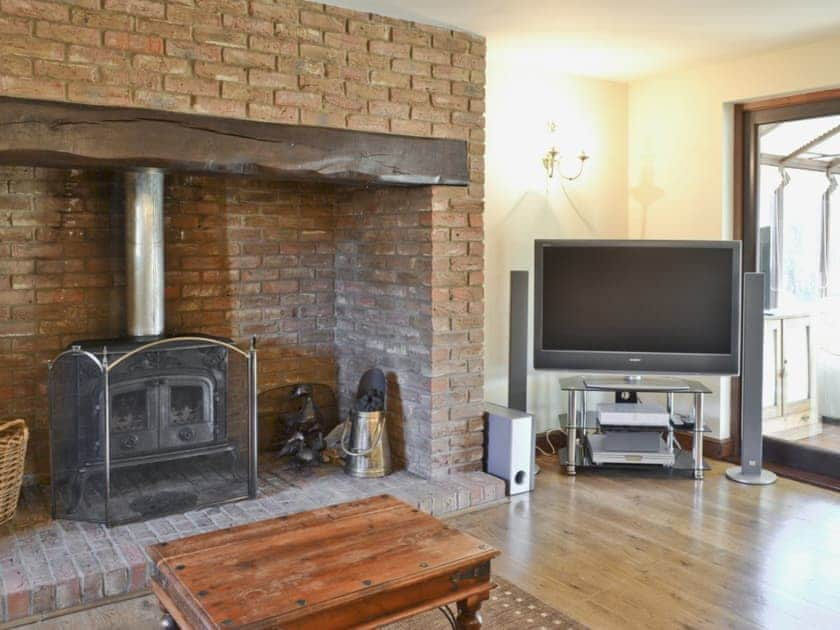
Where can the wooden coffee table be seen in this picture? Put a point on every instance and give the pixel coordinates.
(361, 564)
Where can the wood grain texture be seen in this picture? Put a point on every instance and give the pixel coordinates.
(790, 100)
(627, 549)
(357, 564)
(53, 134)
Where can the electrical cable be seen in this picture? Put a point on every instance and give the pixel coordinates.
(450, 616)
(580, 215)
(551, 446)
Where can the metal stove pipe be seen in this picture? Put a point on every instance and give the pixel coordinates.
(145, 282)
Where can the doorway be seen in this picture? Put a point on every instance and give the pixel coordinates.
(788, 168)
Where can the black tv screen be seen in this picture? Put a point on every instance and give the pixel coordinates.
(638, 306)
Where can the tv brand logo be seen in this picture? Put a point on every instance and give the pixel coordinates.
(634, 360)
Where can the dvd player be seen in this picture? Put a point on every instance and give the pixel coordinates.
(600, 454)
(642, 415)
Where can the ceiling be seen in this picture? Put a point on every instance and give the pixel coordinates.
(622, 39)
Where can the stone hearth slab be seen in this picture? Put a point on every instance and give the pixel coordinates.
(48, 565)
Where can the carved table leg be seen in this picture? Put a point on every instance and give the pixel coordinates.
(468, 615)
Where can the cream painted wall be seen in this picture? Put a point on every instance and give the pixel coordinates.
(591, 114)
(680, 147)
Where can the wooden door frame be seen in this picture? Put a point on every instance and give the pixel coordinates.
(748, 116)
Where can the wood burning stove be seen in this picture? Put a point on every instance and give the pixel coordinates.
(165, 400)
(147, 425)
(150, 428)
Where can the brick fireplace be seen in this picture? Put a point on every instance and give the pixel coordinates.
(331, 278)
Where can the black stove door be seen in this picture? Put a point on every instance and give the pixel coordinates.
(187, 411)
(134, 417)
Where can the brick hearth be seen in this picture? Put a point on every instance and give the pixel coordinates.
(47, 566)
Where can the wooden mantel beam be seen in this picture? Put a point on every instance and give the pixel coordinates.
(57, 134)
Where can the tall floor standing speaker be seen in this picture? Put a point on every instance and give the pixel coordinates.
(750, 470)
(518, 343)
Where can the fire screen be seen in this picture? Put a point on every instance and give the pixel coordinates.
(144, 431)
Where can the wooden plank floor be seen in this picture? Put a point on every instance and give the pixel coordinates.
(624, 550)
(634, 550)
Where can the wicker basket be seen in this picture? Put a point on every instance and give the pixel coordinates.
(13, 439)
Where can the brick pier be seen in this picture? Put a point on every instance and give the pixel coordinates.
(246, 257)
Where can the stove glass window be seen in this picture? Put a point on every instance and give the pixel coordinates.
(129, 411)
(187, 405)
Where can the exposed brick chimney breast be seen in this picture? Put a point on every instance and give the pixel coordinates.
(332, 279)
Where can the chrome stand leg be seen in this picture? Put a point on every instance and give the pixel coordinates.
(697, 443)
(571, 434)
(670, 398)
(253, 415)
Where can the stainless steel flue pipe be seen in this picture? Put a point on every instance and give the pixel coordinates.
(144, 267)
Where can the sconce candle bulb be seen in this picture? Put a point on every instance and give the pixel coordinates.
(552, 158)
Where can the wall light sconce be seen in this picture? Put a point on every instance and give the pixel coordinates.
(551, 160)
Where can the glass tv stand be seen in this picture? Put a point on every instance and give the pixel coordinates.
(581, 421)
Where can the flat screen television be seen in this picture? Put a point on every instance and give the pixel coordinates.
(623, 306)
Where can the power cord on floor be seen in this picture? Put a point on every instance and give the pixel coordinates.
(553, 450)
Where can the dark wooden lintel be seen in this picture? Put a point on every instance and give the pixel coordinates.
(58, 134)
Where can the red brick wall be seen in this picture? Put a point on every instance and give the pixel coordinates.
(61, 274)
(384, 310)
(286, 61)
(253, 257)
(243, 258)
(410, 299)
(457, 369)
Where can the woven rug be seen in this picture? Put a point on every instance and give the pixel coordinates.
(508, 607)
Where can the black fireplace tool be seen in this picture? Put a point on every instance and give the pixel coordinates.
(305, 428)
